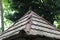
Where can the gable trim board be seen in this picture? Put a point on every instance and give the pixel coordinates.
(39, 27)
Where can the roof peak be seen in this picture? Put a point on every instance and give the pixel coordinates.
(30, 8)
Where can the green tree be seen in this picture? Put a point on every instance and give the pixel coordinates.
(41, 7)
(49, 8)
(6, 14)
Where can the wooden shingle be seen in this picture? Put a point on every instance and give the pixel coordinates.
(39, 26)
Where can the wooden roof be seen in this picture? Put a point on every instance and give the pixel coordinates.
(39, 26)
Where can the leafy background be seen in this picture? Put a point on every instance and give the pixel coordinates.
(15, 9)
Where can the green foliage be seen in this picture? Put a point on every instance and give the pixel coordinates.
(58, 26)
(15, 9)
(57, 19)
(7, 14)
(7, 23)
(41, 7)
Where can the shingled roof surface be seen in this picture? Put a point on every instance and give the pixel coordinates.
(32, 24)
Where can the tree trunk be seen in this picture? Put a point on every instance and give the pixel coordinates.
(1, 9)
